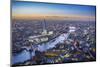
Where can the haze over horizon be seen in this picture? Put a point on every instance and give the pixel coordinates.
(33, 9)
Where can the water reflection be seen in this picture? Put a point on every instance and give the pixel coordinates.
(25, 55)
